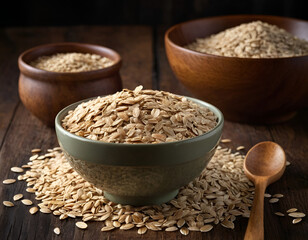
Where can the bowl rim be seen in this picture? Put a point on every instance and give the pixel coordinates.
(189, 51)
(65, 110)
(41, 74)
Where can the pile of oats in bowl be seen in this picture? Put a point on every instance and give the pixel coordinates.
(71, 62)
(139, 116)
(252, 40)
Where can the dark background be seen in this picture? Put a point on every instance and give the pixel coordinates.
(153, 12)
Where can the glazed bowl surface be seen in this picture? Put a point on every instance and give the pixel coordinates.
(45, 93)
(139, 174)
(245, 89)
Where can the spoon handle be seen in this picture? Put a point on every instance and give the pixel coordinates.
(255, 228)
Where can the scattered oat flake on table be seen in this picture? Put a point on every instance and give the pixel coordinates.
(296, 220)
(297, 214)
(278, 195)
(17, 169)
(57, 231)
(63, 216)
(142, 230)
(180, 223)
(33, 157)
(26, 166)
(194, 229)
(56, 213)
(33, 210)
(209, 220)
(81, 225)
(9, 181)
(116, 224)
(274, 200)
(240, 148)
(236, 212)
(30, 190)
(206, 228)
(292, 210)
(184, 231)
(227, 224)
(107, 228)
(8, 204)
(45, 210)
(36, 150)
(127, 226)
(74, 216)
(27, 202)
(279, 214)
(267, 195)
(171, 229)
(226, 140)
(18, 197)
(287, 163)
(230, 182)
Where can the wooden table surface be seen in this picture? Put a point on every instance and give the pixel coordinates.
(144, 62)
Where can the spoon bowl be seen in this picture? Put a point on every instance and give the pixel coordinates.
(266, 160)
(264, 164)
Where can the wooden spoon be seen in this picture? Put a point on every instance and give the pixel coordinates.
(264, 164)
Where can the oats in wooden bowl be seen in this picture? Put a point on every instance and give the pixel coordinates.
(249, 66)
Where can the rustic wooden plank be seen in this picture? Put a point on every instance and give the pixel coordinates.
(26, 132)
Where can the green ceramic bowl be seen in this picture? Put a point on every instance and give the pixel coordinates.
(139, 174)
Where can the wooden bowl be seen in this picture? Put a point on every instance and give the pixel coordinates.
(45, 93)
(245, 89)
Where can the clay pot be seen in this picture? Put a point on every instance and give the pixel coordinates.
(45, 93)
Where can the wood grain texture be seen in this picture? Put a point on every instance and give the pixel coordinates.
(24, 132)
(255, 228)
